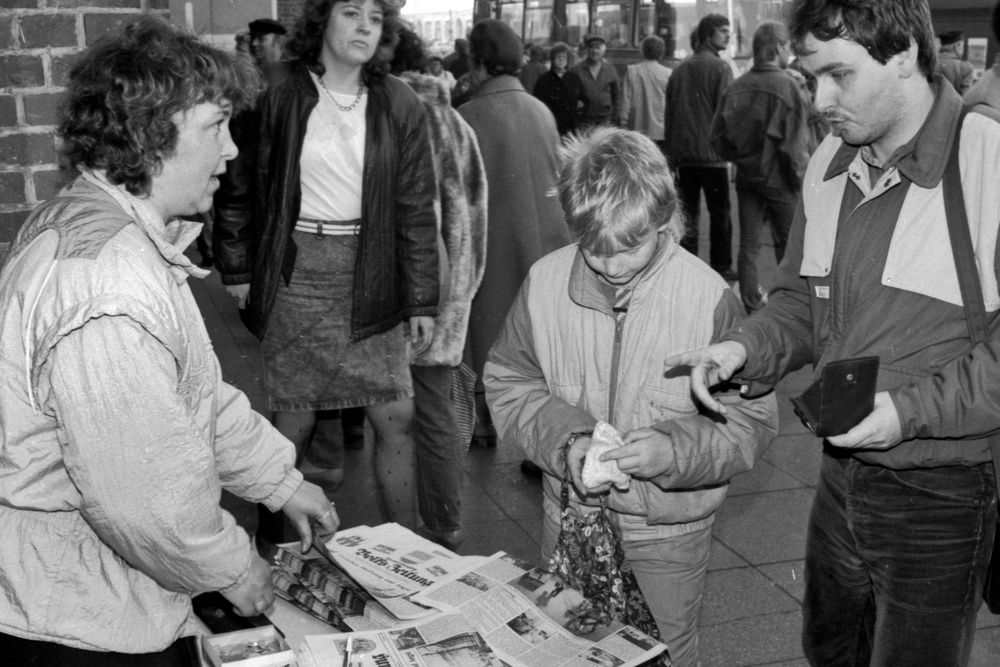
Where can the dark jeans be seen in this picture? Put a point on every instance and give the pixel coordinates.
(440, 453)
(895, 561)
(757, 205)
(714, 181)
(29, 652)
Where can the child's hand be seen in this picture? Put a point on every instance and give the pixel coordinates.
(646, 453)
(575, 456)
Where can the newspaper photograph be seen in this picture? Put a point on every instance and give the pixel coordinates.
(447, 640)
(530, 618)
(393, 563)
(453, 640)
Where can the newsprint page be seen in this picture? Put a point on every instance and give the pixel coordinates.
(459, 611)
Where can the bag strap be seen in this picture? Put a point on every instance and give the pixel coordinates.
(965, 263)
(961, 244)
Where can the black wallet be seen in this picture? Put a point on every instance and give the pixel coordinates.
(843, 395)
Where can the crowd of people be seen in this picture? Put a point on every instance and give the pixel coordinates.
(501, 244)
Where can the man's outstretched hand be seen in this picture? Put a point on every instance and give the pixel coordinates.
(710, 366)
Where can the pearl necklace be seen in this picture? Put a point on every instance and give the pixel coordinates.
(352, 105)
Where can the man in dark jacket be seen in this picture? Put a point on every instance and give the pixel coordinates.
(762, 126)
(903, 518)
(693, 95)
(601, 92)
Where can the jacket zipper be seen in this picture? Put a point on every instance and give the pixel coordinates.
(615, 360)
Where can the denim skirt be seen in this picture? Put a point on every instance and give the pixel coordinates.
(310, 362)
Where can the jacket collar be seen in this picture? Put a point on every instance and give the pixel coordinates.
(498, 84)
(170, 237)
(766, 67)
(922, 158)
(588, 290)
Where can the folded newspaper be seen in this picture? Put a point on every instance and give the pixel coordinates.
(393, 564)
(499, 611)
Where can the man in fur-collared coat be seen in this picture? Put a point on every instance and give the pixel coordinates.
(461, 203)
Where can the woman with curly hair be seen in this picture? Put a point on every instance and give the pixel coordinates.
(119, 433)
(336, 262)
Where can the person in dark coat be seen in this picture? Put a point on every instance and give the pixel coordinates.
(693, 95)
(762, 126)
(518, 140)
(560, 89)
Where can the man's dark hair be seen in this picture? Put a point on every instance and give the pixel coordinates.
(652, 48)
(883, 27)
(767, 39)
(117, 112)
(708, 25)
(408, 52)
(306, 43)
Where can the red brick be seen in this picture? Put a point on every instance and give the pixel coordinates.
(21, 71)
(8, 111)
(6, 39)
(61, 65)
(25, 149)
(42, 109)
(48, 30)
(11, 187)
(96, 26)
(10, 222)
(48, 183)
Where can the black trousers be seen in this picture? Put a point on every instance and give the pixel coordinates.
(31, 652)
(714, 182)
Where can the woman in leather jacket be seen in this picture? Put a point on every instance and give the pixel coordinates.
(332, 248)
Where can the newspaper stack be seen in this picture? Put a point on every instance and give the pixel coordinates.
(500, 611)
(314, 584)
(366, 576)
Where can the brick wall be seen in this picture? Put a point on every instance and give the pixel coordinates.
(39, 40)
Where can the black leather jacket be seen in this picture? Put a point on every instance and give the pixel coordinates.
(256, 208)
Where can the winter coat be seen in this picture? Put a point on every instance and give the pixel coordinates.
(644, 98)
(694, 93)
(562, 95)
(869, 271)
(518, 141)
(561, 364)
(397, 272)
(762, 126)
(118, 433)
(461, 202)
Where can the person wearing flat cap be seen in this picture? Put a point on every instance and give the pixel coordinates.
(267, 38)
(518, 140)
(950, 64)
(601, 90)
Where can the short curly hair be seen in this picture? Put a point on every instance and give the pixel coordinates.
(117, 113)
(306, 43)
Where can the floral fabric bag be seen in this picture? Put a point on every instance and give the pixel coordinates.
(589, 558)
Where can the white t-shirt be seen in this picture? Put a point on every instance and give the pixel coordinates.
(332, 160)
